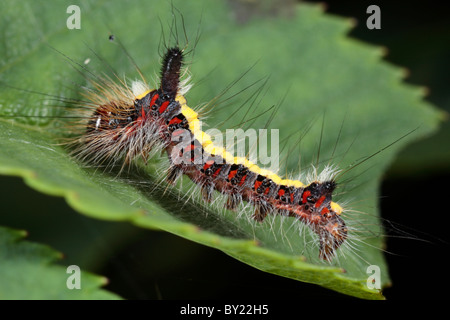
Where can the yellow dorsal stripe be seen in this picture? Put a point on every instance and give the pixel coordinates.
(205, 140)
(336, 208)
(142, 95)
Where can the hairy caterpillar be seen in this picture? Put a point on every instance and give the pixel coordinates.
(129, 123)
(120, 123)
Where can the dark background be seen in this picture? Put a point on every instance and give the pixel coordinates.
(145, 264)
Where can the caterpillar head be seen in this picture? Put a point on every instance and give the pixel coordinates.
(325, 217)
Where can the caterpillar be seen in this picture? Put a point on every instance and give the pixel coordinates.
(132, 122)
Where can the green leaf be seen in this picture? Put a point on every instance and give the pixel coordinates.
(333, 92)
(28, 271)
